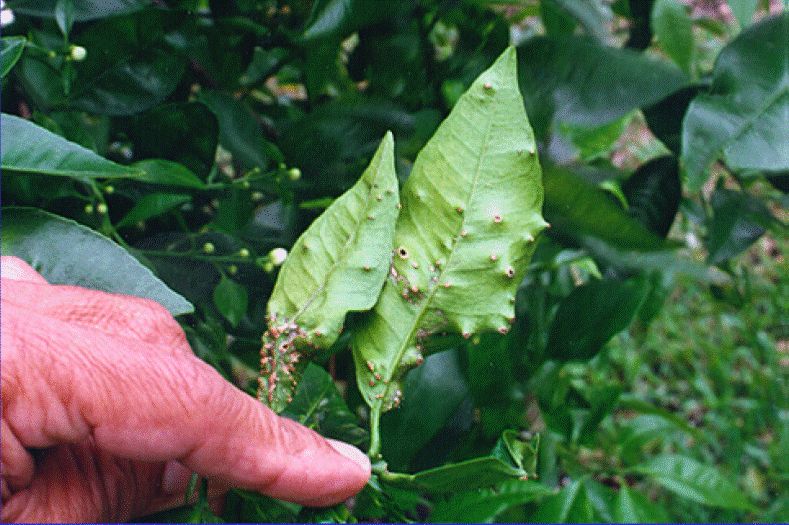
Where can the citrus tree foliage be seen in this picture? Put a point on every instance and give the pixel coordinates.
(346, 205)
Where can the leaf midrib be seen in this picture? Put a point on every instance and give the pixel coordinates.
(456, 238)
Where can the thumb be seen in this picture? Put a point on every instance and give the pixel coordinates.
(64, 382)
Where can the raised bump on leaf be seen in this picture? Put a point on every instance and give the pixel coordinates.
(472, 171)
(338, 265)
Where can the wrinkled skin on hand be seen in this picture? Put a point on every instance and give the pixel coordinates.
(106, 413)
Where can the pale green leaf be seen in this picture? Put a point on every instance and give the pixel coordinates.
(337, 266)
(471, 209)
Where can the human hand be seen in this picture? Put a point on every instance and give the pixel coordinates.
(106, 414)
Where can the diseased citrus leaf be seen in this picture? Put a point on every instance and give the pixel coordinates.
(66, 252)
(338, 265)
(471, 210)
(52, 154)
(690, 479)
(744, 119)
(11, 48)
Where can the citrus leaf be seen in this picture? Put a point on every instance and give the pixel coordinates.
(231, 299)
(11, 48)
(66, 252)
(577, 80)
(152, 205)
(632, 506)
(690, 479)
(83, 9)
(592, 314)
(577, 209)
(482, 506)
(166, 173)
(338, 265)
(505, 462)
(53, 155)
(744, 119)
(653, 193)
(471, 209)
(673, 29)
(130, 66)
(571, 505)
(318, 404)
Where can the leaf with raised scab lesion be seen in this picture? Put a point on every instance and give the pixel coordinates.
(338, 265)
(470, 214)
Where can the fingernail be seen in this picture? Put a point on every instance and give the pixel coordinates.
(175, 478)
(352, 453)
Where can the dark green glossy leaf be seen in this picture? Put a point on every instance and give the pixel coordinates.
(432, 393)
(52, 154)
(83, 9)
(631, 506)
(335, 18)
(653, 193)
(738, 220)
(240, 131)
(231, 299)
(698, 482)
(166, 173)
(577, 80)
(665, 118)
(592, 314)
(152, 205)
(484, 505)
(743, 118)
(11, 48)
(673, 29)
(184, 132)
(129, 67)
(65, 252)
(561, 16)
(318, 405)
(577, 209)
